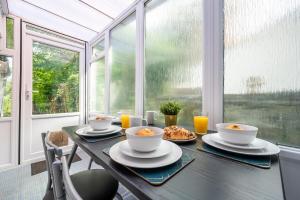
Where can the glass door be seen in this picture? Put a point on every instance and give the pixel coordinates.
(53, 90)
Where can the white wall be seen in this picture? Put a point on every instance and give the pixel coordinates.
(5, 144)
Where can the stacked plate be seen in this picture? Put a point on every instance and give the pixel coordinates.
(257, 147)
(89, 132)
(166, 154)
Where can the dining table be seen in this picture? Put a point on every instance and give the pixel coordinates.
(207, 177)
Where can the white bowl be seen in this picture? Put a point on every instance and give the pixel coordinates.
(144, 143)
(240, 137)
(101, 124)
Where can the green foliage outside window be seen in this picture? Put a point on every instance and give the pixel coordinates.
(9, 33)
(55, 80)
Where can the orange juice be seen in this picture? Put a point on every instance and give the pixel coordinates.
(200, 124)
(125, 120)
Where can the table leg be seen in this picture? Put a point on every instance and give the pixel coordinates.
(90, 164)
(72, 154)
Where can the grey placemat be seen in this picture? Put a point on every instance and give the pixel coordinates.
(258, 161)
(101, 138)
(159, 176)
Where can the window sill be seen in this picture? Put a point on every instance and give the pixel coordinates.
(58, 115)
(289, 152)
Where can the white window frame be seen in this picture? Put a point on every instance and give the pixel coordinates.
(88, 70)
(14, 118)
(213, 67)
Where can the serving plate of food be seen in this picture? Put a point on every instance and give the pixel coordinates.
(178, 134)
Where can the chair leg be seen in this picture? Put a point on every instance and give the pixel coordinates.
(71, 156)
(118, 196)
(90, 163)
(49, 184)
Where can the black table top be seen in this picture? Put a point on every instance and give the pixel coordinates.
(208, 177)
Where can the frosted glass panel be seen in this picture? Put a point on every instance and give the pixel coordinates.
(97, 81)
(173, 55)
(98, 49)
(122, 58)
(262, 85)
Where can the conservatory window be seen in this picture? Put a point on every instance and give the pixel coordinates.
(5, 85)
(97, 85)
(261, 58)
(9, 33)
(173, 56)
(122, 62)
(98, 50)
(55, 80)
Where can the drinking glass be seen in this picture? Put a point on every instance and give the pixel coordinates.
(200, 123)
(125, 119)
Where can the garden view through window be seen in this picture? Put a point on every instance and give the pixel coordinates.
(173, 56)
(122, 62)
(9, 33)
(5, 85)
(262, 84)
(55, 82)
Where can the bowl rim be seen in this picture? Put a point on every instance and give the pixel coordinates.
(140, 127)
(253, 128)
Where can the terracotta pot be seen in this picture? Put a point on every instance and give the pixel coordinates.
(170, 120)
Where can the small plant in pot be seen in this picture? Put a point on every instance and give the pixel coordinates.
(170, 110)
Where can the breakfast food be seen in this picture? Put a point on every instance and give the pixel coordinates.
(234, 127)
(101, 118)
(177, 133)
(145, 132)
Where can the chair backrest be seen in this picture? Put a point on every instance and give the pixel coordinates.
(62, 180)
(50, 157)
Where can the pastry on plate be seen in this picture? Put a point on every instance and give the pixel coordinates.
(177, 133)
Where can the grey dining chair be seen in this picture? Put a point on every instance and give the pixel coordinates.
(87, 184)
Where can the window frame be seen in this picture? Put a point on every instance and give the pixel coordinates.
(15, 54)
(213, 59)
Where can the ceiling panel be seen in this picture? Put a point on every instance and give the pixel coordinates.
(78, 18)
(111, 7)
(40, 17)
(75, 11)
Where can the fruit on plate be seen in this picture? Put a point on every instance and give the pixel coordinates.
(177, 133)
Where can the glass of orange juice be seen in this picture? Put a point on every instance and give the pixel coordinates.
(200, 123)
(125, 119)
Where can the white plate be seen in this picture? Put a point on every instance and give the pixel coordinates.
(183, 141)
(163, 149)
(89, 132)
(270, 148)
(256, 144)
(145, 163)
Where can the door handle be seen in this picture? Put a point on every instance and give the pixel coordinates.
(29, 92)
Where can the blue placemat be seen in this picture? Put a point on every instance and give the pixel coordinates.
(158, 176)
(258, 161)
(100, 138)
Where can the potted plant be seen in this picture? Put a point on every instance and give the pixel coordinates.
(170, 110)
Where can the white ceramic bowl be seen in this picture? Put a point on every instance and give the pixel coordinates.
(144, 143)
(240, 137)
(101, 124)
